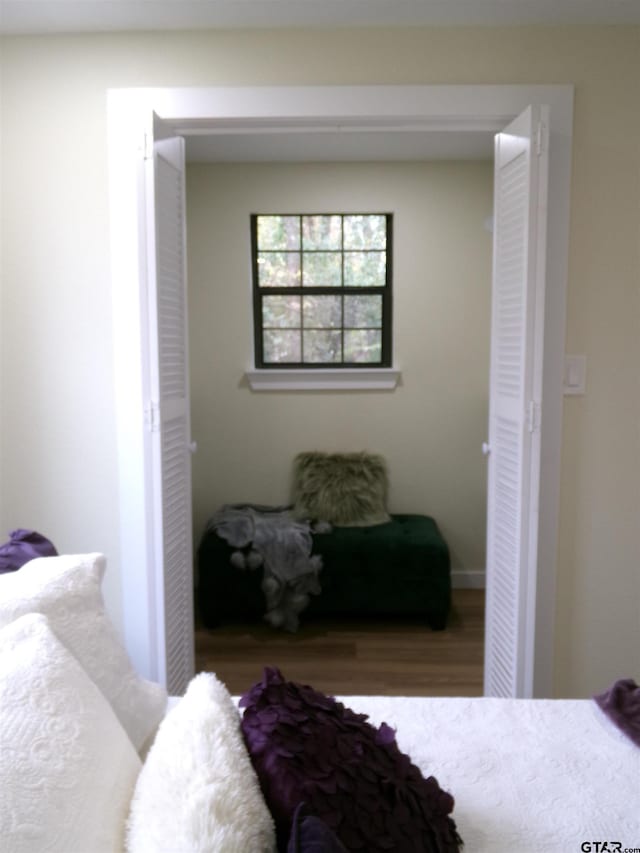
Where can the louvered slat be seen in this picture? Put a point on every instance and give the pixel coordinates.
(173, 394)
(502, 626)
(170, 284)
(509, 270)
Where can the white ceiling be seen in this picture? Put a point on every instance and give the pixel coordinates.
(56, 16)
(329, 146)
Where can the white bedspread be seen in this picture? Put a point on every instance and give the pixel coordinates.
(528, 776)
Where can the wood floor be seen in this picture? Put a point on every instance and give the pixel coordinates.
(350, 658)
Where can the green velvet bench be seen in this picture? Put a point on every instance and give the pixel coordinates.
(400, 568)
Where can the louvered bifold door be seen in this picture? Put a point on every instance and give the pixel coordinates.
(171, 421)
(515, 404)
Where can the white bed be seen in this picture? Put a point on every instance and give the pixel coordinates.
(527, 775)
(78, 776)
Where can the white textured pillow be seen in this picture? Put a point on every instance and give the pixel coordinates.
(68, 768)
(67, 590)
(198, 789)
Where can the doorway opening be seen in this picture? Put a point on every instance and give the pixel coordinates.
(423, 109)
(429, 429)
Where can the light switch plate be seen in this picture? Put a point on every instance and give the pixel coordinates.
(575, 374)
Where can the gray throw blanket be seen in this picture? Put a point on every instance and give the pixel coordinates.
(272, 538)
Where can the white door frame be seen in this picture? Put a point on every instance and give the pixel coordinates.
(256, 109)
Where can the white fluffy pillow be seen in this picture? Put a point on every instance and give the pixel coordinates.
(68, 768)
(67, 590)
(197, 789)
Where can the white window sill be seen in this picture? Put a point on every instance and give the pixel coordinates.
(366, 379)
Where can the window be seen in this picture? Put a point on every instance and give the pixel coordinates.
(322, 290)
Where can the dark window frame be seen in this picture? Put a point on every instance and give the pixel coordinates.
(384, 291)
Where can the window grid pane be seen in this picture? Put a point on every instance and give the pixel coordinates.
(278, 233)
(321, 232)
(279, 269)
(362, 346)
(365, 269)
(320, 312)
(282, 346)
(363, 312)
(322, 347)
(281, 312)
(365, 231)
(322, 269)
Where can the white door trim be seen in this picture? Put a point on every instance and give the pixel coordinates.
(214, 110)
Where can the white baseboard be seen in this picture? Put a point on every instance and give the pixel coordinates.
(468, 578)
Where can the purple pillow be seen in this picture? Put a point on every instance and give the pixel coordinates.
(22, 547)
(309, 834)
(307, 747)
(621, 703)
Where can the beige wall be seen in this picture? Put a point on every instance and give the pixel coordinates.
(58, 454)
(430, 429)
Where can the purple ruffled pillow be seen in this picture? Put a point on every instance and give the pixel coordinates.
(309, 834)
(621, 703)
(22, 547)
(307, 747)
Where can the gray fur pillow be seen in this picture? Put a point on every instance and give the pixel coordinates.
(345, 489)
